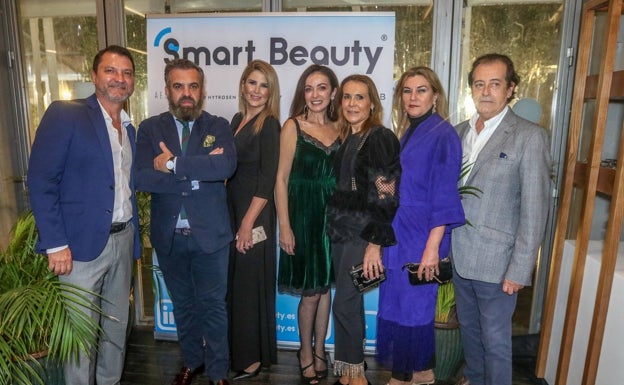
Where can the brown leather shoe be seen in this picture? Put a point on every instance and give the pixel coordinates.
(463, 381)
(185, 375)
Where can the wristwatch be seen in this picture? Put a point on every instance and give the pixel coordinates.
(170, 164)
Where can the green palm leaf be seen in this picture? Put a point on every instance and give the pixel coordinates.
(445, 302)
(38, 312)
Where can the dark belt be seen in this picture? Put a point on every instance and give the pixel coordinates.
(119, 226)
(183, 231)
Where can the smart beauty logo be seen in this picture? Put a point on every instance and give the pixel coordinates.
(281, 51)
(202, 55)
(171, 44)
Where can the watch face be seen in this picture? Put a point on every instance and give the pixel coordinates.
(169, 164)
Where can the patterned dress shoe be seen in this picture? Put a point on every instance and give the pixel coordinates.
(185, 375)
(463, 381)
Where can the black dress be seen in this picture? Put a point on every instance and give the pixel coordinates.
(251, 294)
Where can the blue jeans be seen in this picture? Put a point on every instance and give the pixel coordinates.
(197, 283)
(484, 313)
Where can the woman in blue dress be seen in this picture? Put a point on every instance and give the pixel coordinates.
(429, 207)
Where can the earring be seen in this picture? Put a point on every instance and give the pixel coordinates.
(434, 107)
(331, 107)
(305, 112)
(372, 110)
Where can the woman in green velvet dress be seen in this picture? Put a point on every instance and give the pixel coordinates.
(305, 180)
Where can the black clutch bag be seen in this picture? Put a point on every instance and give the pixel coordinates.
(445, 275)
(361, 283)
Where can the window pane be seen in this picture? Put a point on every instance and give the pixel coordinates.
(59, 40)
(529, 33)
(215, 6)
(136, 42)
(413, 29)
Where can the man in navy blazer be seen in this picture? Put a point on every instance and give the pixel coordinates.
(494, 256)
(81, 190)
(184, 157)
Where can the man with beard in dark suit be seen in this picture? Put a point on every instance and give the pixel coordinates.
(184, 156)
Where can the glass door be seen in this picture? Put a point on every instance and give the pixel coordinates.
(59, 40)
(14, 142)
(530, 33)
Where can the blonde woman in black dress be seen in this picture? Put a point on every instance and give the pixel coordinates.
(251, 295)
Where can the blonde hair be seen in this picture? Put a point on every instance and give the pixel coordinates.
(272, 106)
(441, 104)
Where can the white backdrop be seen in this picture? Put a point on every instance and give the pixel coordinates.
(223, 44)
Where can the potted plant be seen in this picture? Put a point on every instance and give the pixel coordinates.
(41, 325)
(448, 345)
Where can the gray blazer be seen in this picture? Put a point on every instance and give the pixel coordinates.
(508, 220)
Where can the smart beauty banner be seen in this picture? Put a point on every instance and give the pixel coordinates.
(223, 44)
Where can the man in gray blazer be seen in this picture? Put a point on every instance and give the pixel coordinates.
(494, 256)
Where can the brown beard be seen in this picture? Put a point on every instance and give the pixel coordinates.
(186, 113)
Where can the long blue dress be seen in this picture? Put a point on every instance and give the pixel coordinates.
(428, 197)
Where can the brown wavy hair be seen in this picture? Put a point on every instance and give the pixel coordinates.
(297, 107)
(376, 116)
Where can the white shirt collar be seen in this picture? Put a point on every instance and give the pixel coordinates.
(125, 118)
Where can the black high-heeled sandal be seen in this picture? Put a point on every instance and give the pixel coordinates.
(312, 380)
(320, 374)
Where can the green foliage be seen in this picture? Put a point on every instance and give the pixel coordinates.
(445, 302)
(466, 189)
(143, 206)
(38, 314)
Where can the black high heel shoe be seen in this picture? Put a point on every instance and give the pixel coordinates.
(312, 380)
(242, 374)
(320, 374)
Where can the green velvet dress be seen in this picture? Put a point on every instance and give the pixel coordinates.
(311, 183)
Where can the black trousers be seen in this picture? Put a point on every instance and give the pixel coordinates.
(348, 309)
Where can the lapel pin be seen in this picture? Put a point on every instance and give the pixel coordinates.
(209, 140)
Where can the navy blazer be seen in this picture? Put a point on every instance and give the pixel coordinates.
(206, 207)
(71, 181)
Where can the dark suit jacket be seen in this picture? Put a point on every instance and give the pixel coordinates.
(71, 182)
(206, 207)
(508, 219)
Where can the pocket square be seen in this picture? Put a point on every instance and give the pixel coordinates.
(209, 140)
